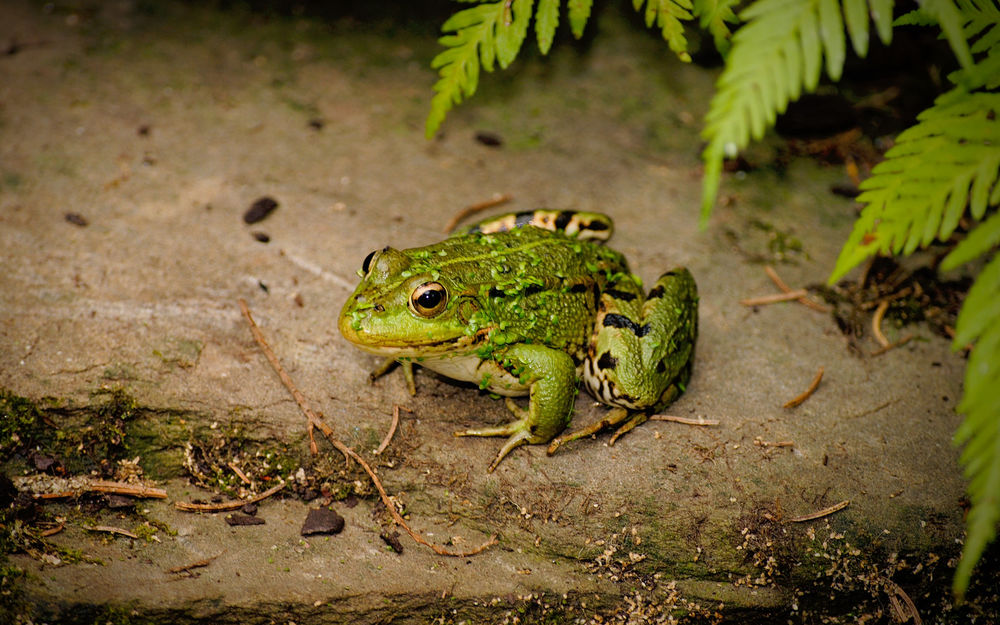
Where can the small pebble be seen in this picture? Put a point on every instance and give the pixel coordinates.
(322, 521)
(260, 209)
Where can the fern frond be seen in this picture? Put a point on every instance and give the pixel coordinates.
(775, 56)
(667, 15)
(546, 22)
(983, 238)
(951, 21)
(921, 189)
(979, 322)
(578, 12)
(714, 15)
(482, 34)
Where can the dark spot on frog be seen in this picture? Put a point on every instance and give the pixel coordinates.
(263, 237)
(534, 288)
(76, 219)
(563, 219)
(597, 296)
(615, 320)
(607, 361)
(656, 292)
(523, 218)
(495, 292)
(260, 209)
(578, 288)
(661, 367)
(489, 139)
(596, 226)
(622, 295)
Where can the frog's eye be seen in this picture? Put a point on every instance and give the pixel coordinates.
(428, 299)
(367, 263)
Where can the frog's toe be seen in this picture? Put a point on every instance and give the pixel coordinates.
(518, 439)
(636, 420)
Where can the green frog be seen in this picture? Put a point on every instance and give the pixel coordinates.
(530, 303)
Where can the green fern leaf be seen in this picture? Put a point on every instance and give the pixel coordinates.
(981, 239)
(776, 56)
(856, 17)
(579, 13)
(979, 321)
(483, 34)
(920, 191)
(948, 17)
(714, 15)
(546, 22)
(667, 15)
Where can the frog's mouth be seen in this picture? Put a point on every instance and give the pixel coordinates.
(410, 348)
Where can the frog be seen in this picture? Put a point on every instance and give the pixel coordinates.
(531, 303)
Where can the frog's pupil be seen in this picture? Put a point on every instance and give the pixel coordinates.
(429, 299)
(368, 261)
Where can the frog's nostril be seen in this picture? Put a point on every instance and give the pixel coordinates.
(379, 308)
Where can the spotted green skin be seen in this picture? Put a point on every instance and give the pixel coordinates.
(532, 310)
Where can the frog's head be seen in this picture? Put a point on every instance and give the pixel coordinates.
(405, 308)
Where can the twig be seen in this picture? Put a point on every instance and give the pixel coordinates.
(392, 429)
(239, 472)
(805, 394)
(877, 323)
(821, 513)
(903, 607)
(684, 420)
(52, 531)
(472, 209)
(344, 449)
(762, 443)
(228, 505)
(121, 488)
(903, 341)
(775, 298)
(771, 273)
(111, 530)
(194, 565)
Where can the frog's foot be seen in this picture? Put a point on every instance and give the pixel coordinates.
(519, 432)
(614, 417)
(387, 365)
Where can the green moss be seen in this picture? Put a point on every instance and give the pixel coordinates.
(22, 424)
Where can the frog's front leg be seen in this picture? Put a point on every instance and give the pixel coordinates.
(551, 376)
(388, 364)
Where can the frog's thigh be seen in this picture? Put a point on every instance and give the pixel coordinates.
(551, 375)
(642, 348)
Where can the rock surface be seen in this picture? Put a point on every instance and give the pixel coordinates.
(133, 144)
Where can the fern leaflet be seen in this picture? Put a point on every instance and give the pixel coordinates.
(578, 13)
(775, 56)
(921, 190)
(667, 15)
(713, 15)
(546, 22)
(483, 34)
(979, 322)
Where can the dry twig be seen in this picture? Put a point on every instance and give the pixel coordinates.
(877, 323)
(121, 488)
(186, 568)
(228, 505)
(472, 209)
(809, 391)
(392, 429)
(903, 341)
(771, 273)
(684, 420)
(821, 513)
(774, 298)
(344, 449)
(111, 530)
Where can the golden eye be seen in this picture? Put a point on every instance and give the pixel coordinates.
(428, 299)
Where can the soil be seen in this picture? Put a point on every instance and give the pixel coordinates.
(137, 141)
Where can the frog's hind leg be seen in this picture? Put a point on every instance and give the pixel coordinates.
(641, 351)
(581, 225)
